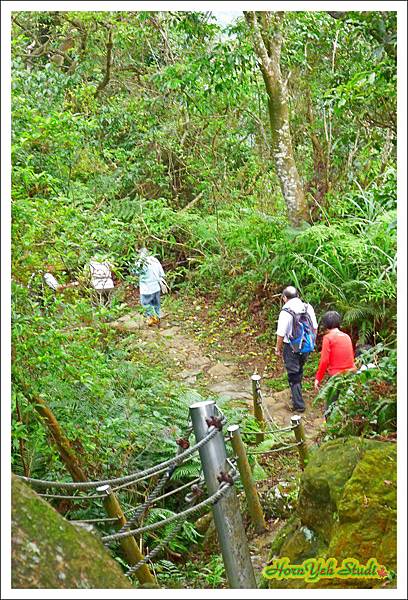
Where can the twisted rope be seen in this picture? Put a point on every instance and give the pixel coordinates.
(182, 487)
(262, 403)
(135, 481)
(269, 419)
(212, 432)
(141, 510)
(102, 520)
(207, 502)
(156, 551)
(61, 497)
(107, 520)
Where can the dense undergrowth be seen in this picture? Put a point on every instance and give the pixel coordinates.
(173, 154)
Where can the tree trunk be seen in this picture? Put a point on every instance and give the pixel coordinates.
(319, 184)
(66, 452)
(267, 39)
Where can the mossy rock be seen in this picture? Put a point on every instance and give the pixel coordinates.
(323, 481)
(284, 533)
(368, 510)
(49, 552)
(346, 508)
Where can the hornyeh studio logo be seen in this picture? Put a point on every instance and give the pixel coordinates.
(313, 570)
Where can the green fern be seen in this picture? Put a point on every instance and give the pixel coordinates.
(188, 470)
(126, 209)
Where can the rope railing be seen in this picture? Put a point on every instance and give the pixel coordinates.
(90, 521)
(67, 497)
(280, 449)
(269, 419)
(207, 421)
(131, 478)
(179, 489)
(151, 527)
(141, 510)
(129, 484)
(170, 536)
(156, 550)
(131, 510)
(261, 411)
(262, 403)
(166, 468)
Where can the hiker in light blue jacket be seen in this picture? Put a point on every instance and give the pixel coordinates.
(151, 277)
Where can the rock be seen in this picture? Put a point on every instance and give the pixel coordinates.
(228, 386)
(49, 552)
(323, 482)
(367, 509)
(170, 332)
(233, 395)
(220, 370)
(280, 397)
(201, 361)
(346, 508)
(280, 499)
(189, 373)
(131, 322)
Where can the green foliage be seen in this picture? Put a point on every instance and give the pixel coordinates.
(174, 154)
(208, 573)
(182, 542)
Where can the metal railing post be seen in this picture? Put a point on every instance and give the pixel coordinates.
(129, 545)
(254, 505)
(300, 438)
(227, 516)
(258, 413)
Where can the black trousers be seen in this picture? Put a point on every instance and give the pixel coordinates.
(294, 364)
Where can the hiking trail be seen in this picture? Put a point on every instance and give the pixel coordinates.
(218, 373)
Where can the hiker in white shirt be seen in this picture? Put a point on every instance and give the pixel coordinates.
(151, 274)
(294, 362)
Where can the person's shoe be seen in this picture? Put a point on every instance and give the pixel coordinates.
(293, 409)
(152, 321)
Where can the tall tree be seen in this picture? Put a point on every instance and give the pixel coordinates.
(267, 39)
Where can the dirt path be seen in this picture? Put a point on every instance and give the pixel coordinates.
(221, 367)
(217, 372)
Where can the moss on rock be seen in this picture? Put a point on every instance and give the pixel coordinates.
(49, 552)
(368, 510)
(322, 484)
(346, 508)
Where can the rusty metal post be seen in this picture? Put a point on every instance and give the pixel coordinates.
(258, 413)
(129, 545)
(251, 493)
(227, 516)
(300, 438)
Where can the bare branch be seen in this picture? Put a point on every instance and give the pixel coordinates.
(106, 79)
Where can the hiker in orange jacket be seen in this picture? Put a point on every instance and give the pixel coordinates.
(337, 354)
